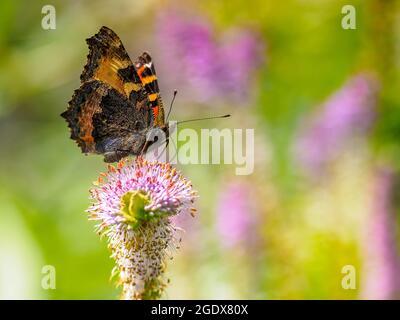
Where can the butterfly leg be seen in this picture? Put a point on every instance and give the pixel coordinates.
(114, 156)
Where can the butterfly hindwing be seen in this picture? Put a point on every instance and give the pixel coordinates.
(103, 120)
(85, 103)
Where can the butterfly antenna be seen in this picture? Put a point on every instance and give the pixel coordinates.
(172, 102)
(208, 118)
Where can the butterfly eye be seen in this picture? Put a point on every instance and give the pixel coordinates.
(138, 125)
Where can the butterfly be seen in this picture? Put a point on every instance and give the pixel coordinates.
(118, 103)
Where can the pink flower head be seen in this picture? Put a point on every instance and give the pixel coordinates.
(133, 204)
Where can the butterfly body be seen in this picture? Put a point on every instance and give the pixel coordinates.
(118, 104)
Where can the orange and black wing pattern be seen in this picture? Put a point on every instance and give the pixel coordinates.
(109, 62)
(111, 109)
(147, 74)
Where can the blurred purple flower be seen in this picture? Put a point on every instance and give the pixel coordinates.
(348, 113)
(382, 265)
(207, 69)
(236, 221)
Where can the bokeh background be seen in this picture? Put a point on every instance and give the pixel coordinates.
(325, 106)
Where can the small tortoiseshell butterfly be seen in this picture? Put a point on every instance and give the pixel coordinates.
(118, 102)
